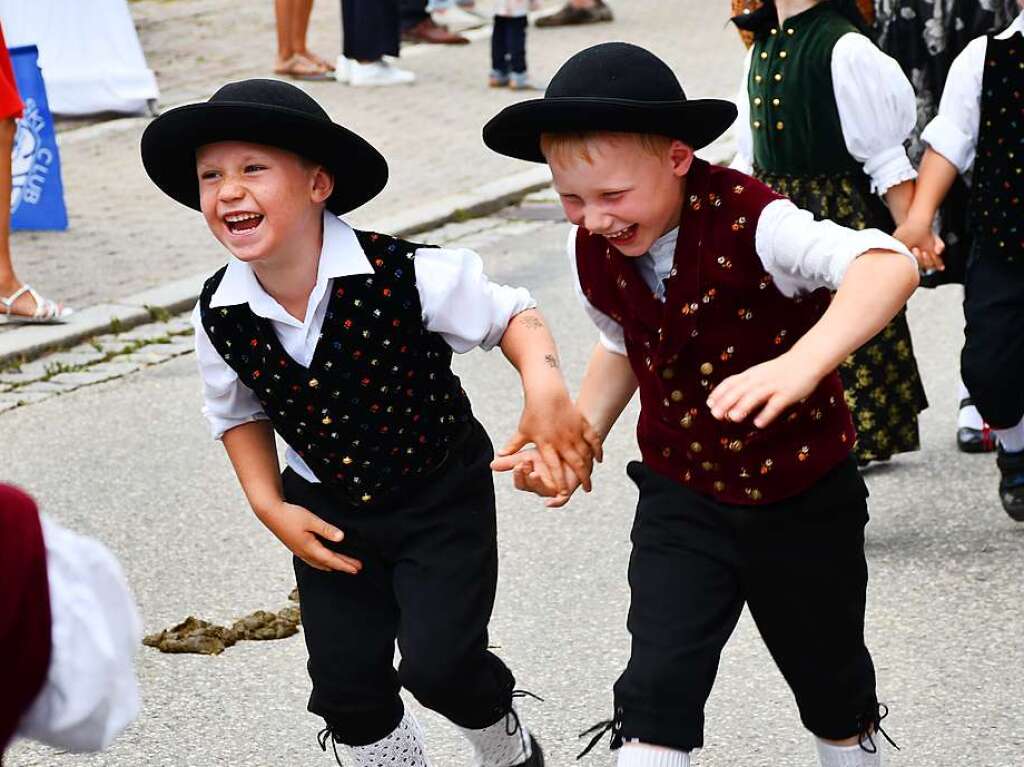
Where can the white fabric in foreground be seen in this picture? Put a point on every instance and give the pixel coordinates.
(91, 693)
(88, 50)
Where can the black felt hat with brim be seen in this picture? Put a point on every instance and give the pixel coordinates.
(267, 112)
(614, 87)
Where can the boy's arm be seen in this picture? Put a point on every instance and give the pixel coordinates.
(875, 287)
(608, 386)
(549, 419)
(253, 453)
(935, 179)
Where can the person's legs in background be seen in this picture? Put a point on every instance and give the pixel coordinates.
(499, 53)
(291, 42)
(370, 31)
(577, 12)
(18, 302)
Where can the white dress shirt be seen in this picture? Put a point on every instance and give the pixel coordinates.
(91, 693)
(800, 254)
(877, 112)
(459, 303)
(953, 132)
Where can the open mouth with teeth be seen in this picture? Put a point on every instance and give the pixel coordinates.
(623, 236)
(242, 223)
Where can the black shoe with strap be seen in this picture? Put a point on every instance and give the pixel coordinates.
(1011, 483)
(971, 440)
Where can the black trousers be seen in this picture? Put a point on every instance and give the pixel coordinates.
(508, 44)
(430, 568)
(370, 29)
(798, 565)
(992, 360)
(412, 12)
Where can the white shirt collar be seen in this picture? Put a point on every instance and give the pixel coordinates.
(340, 256)
(1016, 26)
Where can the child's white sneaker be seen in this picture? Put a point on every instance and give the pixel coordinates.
(343, 69)
(378, 73)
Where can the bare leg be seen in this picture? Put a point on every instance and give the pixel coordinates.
(284, 14)
(8, 280)
(302, 10)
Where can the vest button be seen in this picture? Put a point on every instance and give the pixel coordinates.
(757, 101)
(791, 31)
(774, 31)
(757, 124)
(776, 102)
(782, 54)
(780, 125)
(677, 396)
(758, 78)
(695, 447)
(367, 498)
(707, 369)
(778, 77)
(764, 54)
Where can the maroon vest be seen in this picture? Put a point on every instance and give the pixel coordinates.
(722, 314)
(24, 609)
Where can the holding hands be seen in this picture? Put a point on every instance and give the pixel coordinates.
(917, 234)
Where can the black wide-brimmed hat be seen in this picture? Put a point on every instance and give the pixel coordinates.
(267, 112)
(609, 87)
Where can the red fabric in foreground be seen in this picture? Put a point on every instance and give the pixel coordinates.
(24, 609)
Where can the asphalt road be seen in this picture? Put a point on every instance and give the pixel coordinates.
(131, 462)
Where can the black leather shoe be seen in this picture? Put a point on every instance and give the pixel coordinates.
(1011, 483)
(536, 756)
(970, 440)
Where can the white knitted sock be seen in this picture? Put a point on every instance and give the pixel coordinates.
(1012, 439)
(830, 755)
(967, 416)
(494, 747)
(643, 755)
(402, 748)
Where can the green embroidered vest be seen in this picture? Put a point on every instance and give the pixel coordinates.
(794, 119)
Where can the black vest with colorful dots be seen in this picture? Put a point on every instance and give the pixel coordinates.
(379, 404)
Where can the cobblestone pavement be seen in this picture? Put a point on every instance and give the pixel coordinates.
(125, 236)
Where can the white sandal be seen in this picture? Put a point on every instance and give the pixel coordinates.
(47, 312)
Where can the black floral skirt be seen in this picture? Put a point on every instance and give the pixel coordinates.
(882, 383)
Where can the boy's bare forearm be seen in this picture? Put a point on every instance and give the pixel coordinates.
(899, 199)
(529, 346)
(934, 180)
(877, 285)
(608, 386)
(253, 453)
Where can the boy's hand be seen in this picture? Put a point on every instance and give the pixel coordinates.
(766, 389)
(530, 473)
(926, 246)
(561, 435)
(298, 529)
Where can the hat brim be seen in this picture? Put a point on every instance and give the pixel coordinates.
(169, 145)
(516, 130)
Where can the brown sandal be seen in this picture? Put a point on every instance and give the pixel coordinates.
(298, 67)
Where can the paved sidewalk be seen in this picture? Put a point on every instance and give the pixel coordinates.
(126, 237)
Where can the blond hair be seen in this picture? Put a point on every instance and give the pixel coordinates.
(566, 147)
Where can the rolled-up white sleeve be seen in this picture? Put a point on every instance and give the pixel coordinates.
(877, 110)
(91, 693)
(611, 336)
(743, 161)
(460, 303)
(953, 132)
(227, 402)
(802, 254)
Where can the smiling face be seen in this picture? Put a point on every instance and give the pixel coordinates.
(626, 188)
(258, 200)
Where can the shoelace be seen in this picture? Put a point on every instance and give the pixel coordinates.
(512, 724)
(874, 723)
(600, 729)
(326, 734)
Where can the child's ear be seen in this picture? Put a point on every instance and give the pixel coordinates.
(681, 156)
(323, 184)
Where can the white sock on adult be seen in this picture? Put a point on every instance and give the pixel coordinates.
(402, 748)
(830, 755)
(1012, 439)
(642, 755)
(968, 416)
(494, 747)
